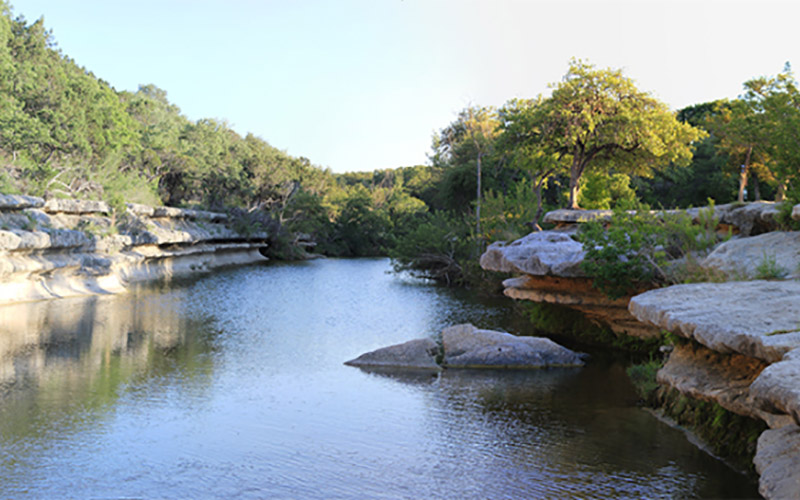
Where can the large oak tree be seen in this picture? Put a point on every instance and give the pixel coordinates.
(598, 119)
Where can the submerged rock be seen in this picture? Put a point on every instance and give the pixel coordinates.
(777, 461)
(416, 354)
(465, 346)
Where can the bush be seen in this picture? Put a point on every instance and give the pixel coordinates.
(436, 248)
(633, 253)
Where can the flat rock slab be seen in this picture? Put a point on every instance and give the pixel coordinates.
(744, 255)
(465, 346)
(777, 461)
(755, 318)
(19, 202)
(68, 206)
(778, 386)
(414, 354)
(543, 253)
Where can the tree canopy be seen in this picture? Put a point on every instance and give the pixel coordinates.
(598, 119)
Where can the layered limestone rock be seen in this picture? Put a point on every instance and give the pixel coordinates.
(725, 379)
(58, 248)
(757, 325)
(550, 262)
(418, 354)
(777, 388)
(777, 462)
(760, 319)
(579, 294)
(465, 346)
(745, 257)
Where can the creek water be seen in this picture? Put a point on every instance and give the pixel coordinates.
(232, 386)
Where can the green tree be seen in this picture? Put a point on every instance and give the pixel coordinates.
(740, 130)
(520, 147)
(776, 102)
(470, 138)
(598, 119)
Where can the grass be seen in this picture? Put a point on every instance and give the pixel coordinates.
(769, 269)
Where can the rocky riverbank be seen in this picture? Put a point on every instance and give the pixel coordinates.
(742, 348)
(57, 248)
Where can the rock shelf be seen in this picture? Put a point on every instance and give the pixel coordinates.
(62, 247)
(744, 352)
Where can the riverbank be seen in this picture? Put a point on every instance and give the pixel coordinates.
(62, 247)
(740, 346)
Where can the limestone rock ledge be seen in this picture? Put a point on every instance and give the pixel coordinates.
(756, 327)
(743, 256)
(703, 374)
(549, 262)
(777, 462)
(745, 219)
(777, 388)
(760, 319)
(59, 248)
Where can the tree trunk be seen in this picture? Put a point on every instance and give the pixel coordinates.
(780, 196)
(478, 204)
(575, 172)
(535, 222)
(743, 174)
(756, 189)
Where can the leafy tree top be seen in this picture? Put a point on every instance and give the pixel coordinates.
(598, 118)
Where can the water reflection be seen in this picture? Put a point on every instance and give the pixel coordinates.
(64, 363)
(233, 386)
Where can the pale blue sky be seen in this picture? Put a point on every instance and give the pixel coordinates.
(363, 84)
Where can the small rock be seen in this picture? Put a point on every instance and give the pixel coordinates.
(415, 354)
(465, 346)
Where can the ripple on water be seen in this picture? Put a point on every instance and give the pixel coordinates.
(232, 386)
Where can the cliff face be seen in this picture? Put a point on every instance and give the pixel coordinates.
(59, 248)
(745, 349)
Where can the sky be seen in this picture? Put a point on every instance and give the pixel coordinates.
(358, 85)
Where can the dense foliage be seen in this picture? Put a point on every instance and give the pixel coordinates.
(596, 140)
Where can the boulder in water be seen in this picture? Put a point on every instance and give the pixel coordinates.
(466, 346)
(414, 354)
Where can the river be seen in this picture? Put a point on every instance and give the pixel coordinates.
(232, 386)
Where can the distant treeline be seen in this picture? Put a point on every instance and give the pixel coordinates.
(596, 142)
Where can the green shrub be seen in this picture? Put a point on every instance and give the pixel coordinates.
(633, 253)
(437, 248)
(769, 269)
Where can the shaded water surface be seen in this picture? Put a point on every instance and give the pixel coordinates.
(233, 386)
